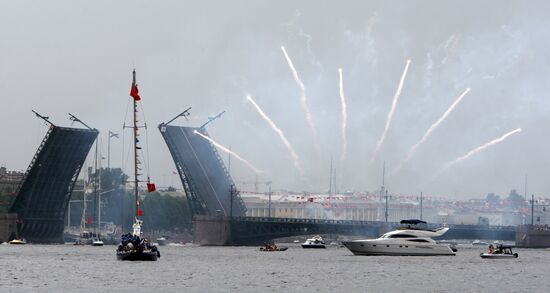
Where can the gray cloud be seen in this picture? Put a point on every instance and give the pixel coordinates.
(63, 56)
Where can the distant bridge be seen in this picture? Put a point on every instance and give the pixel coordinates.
(258, 230)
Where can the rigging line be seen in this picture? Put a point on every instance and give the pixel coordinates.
(146, 141)
(146, 164)
(127, 154)
(123, 166)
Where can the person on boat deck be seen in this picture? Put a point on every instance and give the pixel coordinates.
(491, 249)
(137, 227)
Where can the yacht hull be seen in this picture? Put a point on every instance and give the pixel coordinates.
(366, 248)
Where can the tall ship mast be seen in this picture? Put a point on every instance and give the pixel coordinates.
(134, 93)
(133, 245)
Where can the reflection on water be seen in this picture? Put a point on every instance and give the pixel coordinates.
(238, 269)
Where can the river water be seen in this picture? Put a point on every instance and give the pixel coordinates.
(68, 268)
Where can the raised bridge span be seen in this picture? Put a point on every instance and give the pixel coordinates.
(42, 198)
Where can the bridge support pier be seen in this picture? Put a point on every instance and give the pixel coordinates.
(8, 226)
(211, 230)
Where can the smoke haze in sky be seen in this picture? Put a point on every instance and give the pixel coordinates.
(77, 56)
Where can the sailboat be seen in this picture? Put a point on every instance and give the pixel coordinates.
(133, 245)
(85, 237)
(96, 241)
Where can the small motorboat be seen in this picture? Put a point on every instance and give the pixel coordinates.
(85, 238)
(162, 241)
(315, 242)
(500, 252)
(273, 249)
(18, 242)
(97, 242)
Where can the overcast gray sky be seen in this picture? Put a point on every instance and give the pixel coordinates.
(76, 56)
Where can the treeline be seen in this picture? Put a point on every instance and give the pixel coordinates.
(514, 199)
(160, 212)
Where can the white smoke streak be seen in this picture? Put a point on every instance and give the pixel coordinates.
(221, 147)
(344, 115)
(285, 141)
(303, 97)
(392, 110)
(479, 149)
(431, 129)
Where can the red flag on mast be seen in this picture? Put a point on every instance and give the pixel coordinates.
(134, 93)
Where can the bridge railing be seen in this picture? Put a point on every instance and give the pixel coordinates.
(306, 221)
(355, 222)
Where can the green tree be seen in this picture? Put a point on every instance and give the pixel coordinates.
(514, 199)
(492, 199)
(165, 212)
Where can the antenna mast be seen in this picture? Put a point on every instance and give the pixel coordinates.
(330, 179)
(383, 180)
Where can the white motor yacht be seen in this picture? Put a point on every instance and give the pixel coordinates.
(404, 241)
(315, 242)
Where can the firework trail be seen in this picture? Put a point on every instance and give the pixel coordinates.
(287, 144)
(344, 115)
(479, 149)
(431, 129)
(303, 97)
(392, 110)
(221, 147)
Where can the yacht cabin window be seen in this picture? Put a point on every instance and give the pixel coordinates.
(399, 236)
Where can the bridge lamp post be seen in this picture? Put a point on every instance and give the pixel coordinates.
(386, 210)
(421, 199)
(269, 200)
(532, 209)
(231, 194)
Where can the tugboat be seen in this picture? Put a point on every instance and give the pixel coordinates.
(133, 246)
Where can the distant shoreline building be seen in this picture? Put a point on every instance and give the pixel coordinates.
(9, 181)
(368, 207)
